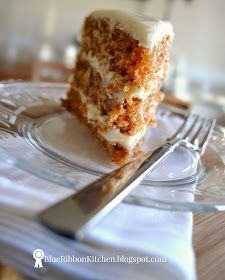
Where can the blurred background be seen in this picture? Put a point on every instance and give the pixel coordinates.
(39, 40)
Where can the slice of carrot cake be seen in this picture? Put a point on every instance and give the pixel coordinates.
(116, 82)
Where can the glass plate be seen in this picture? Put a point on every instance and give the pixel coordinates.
(38, 136)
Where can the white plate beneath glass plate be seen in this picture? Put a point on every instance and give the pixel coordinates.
(39, 137)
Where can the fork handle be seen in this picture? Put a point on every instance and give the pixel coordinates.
(77, 213)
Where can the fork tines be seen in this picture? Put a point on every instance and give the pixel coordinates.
(195, 130)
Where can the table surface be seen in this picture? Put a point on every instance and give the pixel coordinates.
(209, 245)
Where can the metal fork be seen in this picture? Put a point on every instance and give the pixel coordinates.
(76, 214)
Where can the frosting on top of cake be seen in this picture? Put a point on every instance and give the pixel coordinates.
(148, 31)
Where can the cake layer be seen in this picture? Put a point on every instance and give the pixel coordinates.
(117, 56)
(148, 31)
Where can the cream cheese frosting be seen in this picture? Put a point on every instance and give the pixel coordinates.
(113, 135)
(93, 113)
(106, 75)
(146, 30)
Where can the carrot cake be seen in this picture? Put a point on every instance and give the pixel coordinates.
(115, 86)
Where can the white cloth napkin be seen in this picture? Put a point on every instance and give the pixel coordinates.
(127, 231)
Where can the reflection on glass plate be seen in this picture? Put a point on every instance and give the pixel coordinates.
(37, 135)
